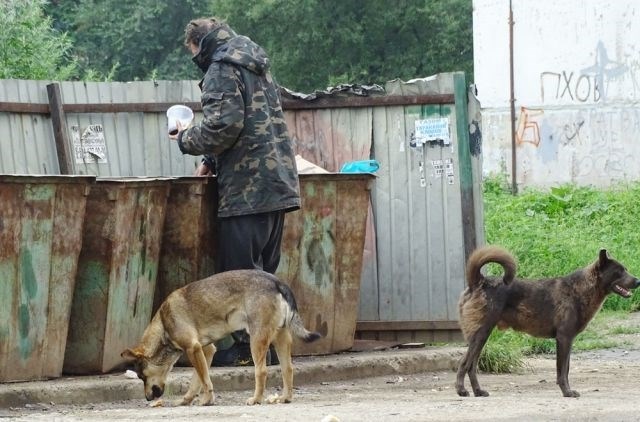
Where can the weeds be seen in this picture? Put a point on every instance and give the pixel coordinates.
(624, 330)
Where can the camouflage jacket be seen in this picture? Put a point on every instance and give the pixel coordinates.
(243, 127)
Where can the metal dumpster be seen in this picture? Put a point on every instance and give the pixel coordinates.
(322, 249)
(188, 239)
(117, 271)
(41, 221)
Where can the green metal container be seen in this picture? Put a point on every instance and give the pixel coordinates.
(117, 271)
(188, 239)
(322, 249)
(41, 221)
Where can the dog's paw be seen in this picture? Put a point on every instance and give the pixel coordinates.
(207, 399)
(185, 401)
(480, 393)
(462, 392)
(251, 401)
(278, 399)
(571, 393)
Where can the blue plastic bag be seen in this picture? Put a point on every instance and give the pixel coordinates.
(360, 166)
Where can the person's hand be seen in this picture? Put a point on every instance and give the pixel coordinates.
(180, 128)
(203, 170)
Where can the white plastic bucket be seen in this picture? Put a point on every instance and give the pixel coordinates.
(177, 113)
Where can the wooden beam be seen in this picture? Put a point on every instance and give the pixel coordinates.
(406, 325)
(373, 101)
(9, 107)
(127, 107)
(31, 108)
(60, 132)
(287, 104)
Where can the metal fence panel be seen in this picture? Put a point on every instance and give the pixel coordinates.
(136, 143)
(26, 143)
(413, 262)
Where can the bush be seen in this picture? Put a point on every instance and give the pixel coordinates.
(29, 47)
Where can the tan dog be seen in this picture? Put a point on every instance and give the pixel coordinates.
(193, 317)
(557, 308)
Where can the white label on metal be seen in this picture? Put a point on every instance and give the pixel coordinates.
(90, 146)
(438, 169)
(448, 165)
(429, 130)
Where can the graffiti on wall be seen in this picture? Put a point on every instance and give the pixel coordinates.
(600, 139)
(528, 130)
(592, 83)
(567, 86)
(595, 142)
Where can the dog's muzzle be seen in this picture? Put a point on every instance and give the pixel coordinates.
(156, 392)
(637, 284)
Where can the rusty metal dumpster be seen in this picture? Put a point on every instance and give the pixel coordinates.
(117, 271)
(41, 221)
(188, 238)
(322, 249)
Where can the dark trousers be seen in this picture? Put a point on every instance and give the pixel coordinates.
(250, 242)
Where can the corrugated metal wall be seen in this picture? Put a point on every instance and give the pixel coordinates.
(414, 258)
(413, 267)
(421, 245)
(26, 140)
(136, 143)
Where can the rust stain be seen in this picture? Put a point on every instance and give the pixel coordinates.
(40, 224)
(322, 252)
(189, 235)
(117, 271)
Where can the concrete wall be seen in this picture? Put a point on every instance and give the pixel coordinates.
(577, 87)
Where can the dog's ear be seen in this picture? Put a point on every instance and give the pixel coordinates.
(131, 354)
(603, 258)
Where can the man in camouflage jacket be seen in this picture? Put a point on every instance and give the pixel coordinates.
(244, 136)
(245, 141)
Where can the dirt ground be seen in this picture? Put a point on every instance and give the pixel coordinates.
(606, 379)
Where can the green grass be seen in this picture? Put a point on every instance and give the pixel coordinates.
(505, 350)
(624, 330)
(552, 233)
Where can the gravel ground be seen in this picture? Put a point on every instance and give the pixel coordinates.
(606, 379)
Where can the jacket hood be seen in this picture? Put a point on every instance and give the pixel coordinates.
(223, 44)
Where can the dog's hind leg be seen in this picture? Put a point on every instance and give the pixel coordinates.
(473, 378)
(194, 385)
(463, 369)
(282, 344)
(259, 347)
(469, 364)
(201, 363)
(563, 356)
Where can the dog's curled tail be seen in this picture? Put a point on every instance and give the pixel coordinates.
(293, 319)
(484, 255)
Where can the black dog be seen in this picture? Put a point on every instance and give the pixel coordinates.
(557, 308)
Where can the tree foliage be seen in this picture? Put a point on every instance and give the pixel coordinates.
(312, 43)
(316, 43)
(30, 48)
(129, 40)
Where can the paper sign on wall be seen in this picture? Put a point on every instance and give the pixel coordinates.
(429, 130)
(90, 146)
